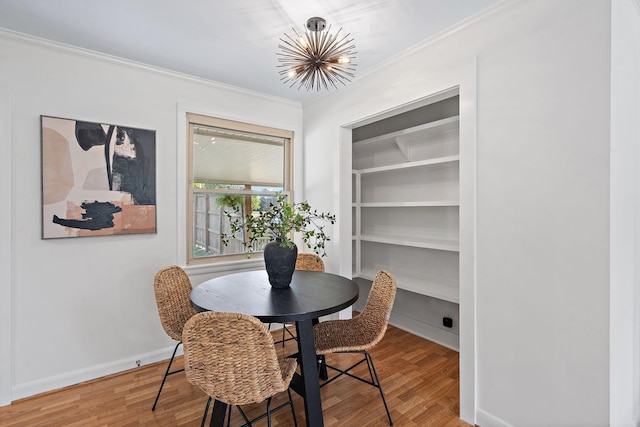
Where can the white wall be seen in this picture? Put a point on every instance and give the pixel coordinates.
(539, 271)
(625, 207)
(543, 218)
(6, 214)
(84, 307)
(534, 80)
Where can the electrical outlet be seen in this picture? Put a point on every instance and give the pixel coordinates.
(447, 322)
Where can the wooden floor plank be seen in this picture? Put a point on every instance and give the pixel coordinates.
(420, 380)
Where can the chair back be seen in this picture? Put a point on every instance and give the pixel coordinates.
(173, 288)
(375, 314)
(232, 358)
(309, 262)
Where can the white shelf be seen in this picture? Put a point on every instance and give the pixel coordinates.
(407, 165)
(416, 133)
(414, 241)
(426, 203)
(428, 287)
(412, 175)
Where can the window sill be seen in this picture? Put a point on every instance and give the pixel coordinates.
(225, 267)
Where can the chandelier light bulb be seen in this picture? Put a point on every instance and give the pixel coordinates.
(302, 42)
(316, 58)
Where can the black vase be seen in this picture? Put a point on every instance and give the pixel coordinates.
(280, 263)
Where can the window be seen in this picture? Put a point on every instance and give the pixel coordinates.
(231, 164)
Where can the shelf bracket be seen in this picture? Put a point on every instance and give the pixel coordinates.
(403, 145)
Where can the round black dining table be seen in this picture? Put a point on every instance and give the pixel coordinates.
(311, 294)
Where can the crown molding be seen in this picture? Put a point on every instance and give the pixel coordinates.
(112, 59)
(500, 8)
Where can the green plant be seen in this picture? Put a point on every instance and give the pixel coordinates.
(229, 200)
(279, 221)
(232, 201)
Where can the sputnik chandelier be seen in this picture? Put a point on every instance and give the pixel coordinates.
(316, 59)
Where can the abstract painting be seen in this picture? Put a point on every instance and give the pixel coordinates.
(97, 179)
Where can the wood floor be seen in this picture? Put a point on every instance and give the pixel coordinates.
(419, 379)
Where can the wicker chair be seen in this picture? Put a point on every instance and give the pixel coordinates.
(307, 262)
(232, 358)
(172, 288)
(361, 333)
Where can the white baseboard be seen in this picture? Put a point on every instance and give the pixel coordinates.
(425, 330)
(484, 419)
(75, 377)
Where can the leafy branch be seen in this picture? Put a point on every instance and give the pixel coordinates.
(279, 221)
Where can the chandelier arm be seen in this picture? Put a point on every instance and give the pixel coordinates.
(337, 76)
(343, 47)
(308, 79)
(327, 43)
(293, 46)
(315, 79)
(327, 40)
(291, 50)
(322, 78)
(341, 78)
(298, 77)
(329, 78)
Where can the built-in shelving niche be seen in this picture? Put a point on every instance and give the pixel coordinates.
(406, 213)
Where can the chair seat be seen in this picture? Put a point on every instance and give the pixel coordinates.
(343, 335)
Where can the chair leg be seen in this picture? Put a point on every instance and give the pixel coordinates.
(269, 412)
(284, 328)
(322, 367)
(372, 369)
(166, 374)
(218, 413)
(206, 412)
(246, 419)
(293, 411)
(249, 423)
(290, 334)
(375, 381)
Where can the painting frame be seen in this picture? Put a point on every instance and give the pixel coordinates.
(98, 179)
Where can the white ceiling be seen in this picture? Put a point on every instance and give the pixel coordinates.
(232, 41)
